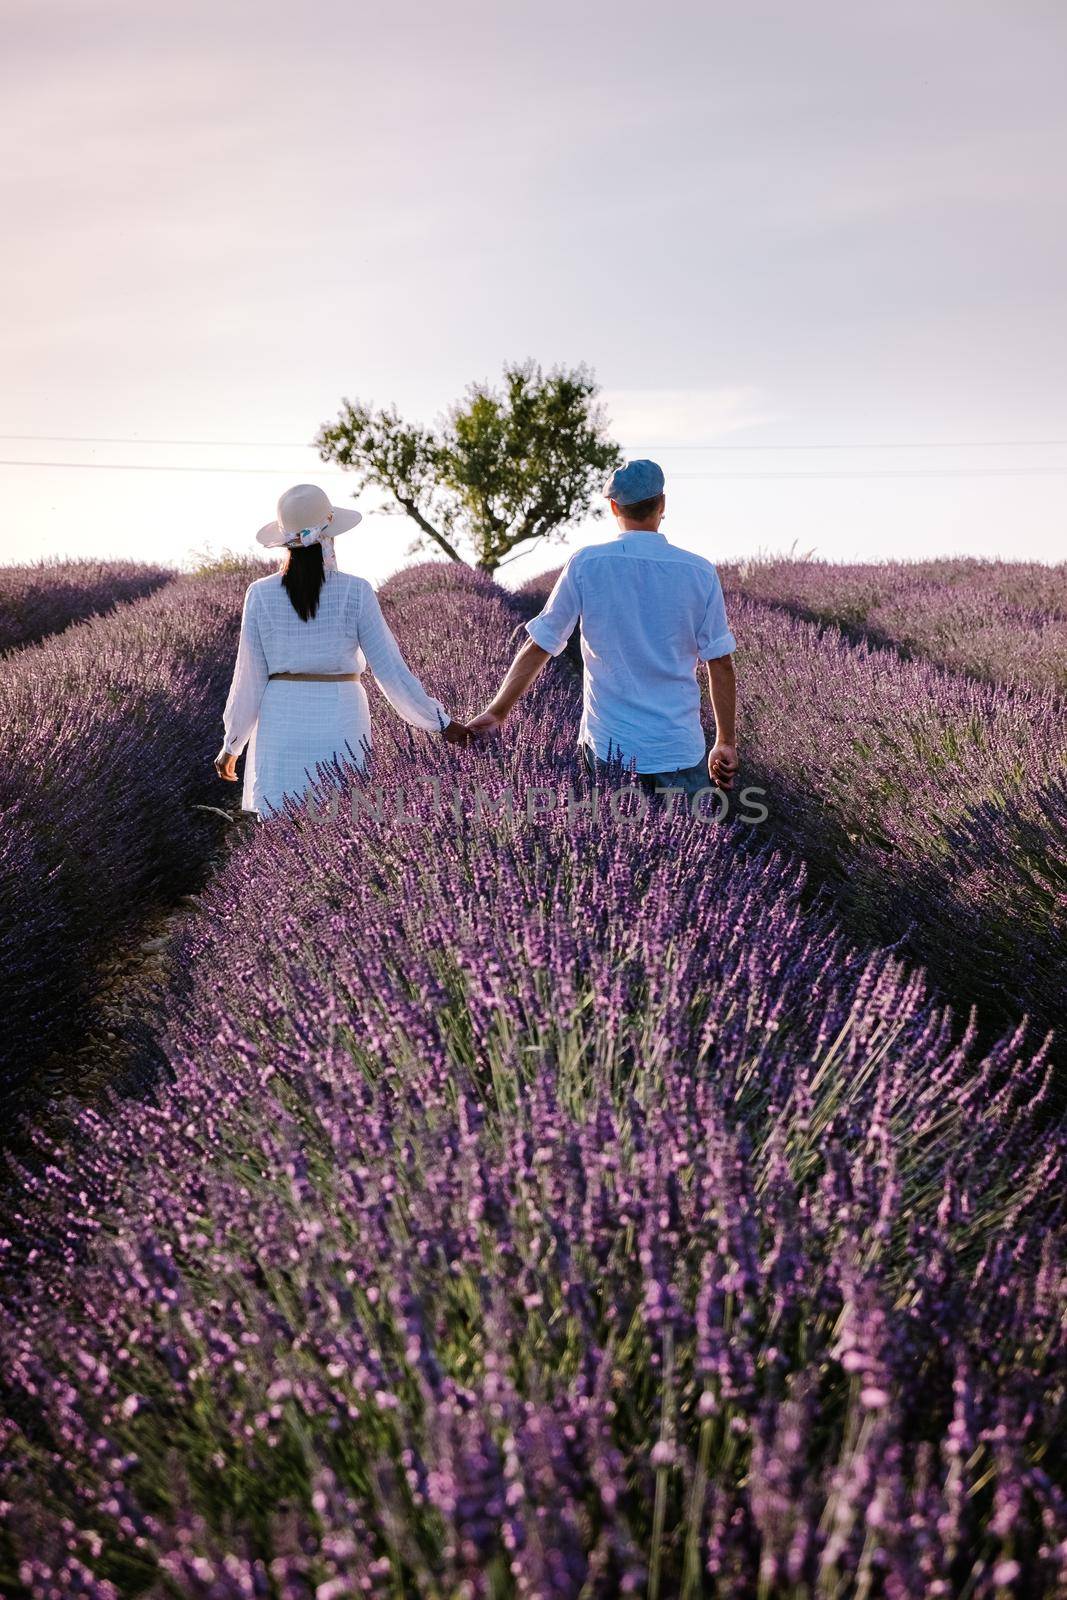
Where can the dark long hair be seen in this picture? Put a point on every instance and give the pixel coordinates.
(302, 579)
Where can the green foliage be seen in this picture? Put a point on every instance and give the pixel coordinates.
(507, 466)
(206, 562)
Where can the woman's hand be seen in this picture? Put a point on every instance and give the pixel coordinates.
(226, 765)
(455, 733)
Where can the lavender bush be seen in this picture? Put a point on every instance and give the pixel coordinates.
(542, 1208)
(106, 739)
(47, 596)
(936, 805)
(1001, 621)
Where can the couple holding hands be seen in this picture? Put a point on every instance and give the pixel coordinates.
(649, 613)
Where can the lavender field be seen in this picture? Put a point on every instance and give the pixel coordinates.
(541, 1198)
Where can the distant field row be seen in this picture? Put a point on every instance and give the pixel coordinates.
(1003, 622)
(47, 596)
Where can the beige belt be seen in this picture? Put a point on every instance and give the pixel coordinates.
(318, 677)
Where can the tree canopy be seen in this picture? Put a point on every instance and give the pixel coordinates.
(505, 467)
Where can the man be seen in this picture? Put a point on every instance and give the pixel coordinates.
(649, 613)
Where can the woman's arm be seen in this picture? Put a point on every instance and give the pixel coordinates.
(395, 678)
(246, 691)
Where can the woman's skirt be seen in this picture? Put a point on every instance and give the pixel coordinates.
(301, 726)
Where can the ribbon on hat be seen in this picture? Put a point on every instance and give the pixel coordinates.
(310, 536)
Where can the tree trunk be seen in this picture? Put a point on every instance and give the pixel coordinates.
(427, 527)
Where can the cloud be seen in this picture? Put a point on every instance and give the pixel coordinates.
(643, 418)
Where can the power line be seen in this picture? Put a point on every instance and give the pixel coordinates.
(151, 466)
(919, 444)
(272, 471)
(94, 438)
(304, 444)
(892, 472)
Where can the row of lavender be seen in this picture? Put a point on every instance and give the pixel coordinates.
(106, 739)
(546, 1203)
(1000, 621)
(935, 805)
(47, 596)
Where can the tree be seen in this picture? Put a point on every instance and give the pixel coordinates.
(504, 468)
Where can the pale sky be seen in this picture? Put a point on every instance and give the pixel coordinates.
(763, 225)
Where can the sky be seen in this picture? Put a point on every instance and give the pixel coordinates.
(816, 256)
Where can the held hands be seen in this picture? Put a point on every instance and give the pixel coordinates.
(484, 726)
(456, 733)
(723, 764)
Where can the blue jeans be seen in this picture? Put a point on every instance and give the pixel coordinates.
(690, 780)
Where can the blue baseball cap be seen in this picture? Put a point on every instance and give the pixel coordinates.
(633, 481)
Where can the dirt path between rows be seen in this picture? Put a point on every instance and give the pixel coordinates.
(117, 1050)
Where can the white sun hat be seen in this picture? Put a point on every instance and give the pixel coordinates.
(305, 516)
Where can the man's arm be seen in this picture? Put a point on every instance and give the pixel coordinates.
(518, 680)
(548, 635)
(722, 686)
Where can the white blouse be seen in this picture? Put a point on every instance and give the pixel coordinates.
(347, 634)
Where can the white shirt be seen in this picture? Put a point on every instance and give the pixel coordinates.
(649, 613)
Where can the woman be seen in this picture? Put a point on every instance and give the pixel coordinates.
(307, 633)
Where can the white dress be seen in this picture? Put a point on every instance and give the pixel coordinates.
(289, 727)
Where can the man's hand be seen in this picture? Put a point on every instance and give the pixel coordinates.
(722, 686)
(483, 726)
(456, 733)
(723, 764)
(226, 765)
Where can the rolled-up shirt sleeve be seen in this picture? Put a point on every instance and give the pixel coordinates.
(249, 681)
(555, 623)
(394, 677)
(714, 638)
